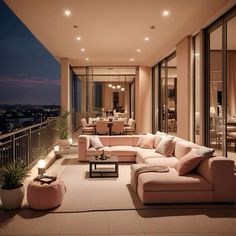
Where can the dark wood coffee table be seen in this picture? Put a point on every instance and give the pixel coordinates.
(95, 172)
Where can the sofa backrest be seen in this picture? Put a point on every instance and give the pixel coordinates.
(123, 140)
(105, 140)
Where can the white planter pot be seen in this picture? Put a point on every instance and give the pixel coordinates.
(12, 198)
(64, 144)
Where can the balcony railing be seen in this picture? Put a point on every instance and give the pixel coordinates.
(25, 144)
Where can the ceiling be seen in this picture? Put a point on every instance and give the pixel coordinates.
(107, 74)
(112, 31)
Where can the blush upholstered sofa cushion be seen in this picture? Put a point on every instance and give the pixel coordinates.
(188, 162)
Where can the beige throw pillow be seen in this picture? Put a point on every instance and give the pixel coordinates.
(158, 136)
(188, 162)
(95, 142)
(141, 137)
(166, 146)
(148, 141)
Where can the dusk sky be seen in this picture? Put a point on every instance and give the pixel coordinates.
(28, 72)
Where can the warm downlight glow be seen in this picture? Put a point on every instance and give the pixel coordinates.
(67, 12)
(165, 13)
(146, 39)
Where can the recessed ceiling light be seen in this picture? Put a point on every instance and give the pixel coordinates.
(165, 13)
(146, 39)
(67, 12)
(86, 58)
(131, 59)
(138, 50)
(78, 38)
(82, 49)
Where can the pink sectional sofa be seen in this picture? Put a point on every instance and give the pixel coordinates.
(213, 180)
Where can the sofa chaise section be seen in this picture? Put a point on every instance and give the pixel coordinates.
(213, 181)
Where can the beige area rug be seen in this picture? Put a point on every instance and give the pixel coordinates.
(99, 194)
(88, 194)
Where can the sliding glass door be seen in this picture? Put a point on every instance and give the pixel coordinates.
(221, 85)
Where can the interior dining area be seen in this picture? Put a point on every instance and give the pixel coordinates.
(103, 100)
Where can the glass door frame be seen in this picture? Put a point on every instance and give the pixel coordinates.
(222, 21)
(159, 90)
(165, 61)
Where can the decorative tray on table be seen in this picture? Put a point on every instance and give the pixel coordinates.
(45, 179)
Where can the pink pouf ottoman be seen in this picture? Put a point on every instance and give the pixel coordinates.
(42, 196)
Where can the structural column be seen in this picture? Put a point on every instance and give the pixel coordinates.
(66, 89)
(143, 101)
(183, 51)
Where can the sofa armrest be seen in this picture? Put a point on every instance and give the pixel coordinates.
(220, 172)
(84, 144)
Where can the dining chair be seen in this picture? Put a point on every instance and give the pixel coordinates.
(85, 128)
(131, 126)
(117, 127)
(102, 127)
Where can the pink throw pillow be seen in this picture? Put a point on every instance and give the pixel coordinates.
(188, 162)
(166, 146)
(148, 141)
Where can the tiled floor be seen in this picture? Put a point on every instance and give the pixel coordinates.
(176, 222)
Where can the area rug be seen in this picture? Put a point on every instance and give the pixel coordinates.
(85, 194)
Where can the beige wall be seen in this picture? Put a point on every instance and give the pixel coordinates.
(183, 52)
(143, 108)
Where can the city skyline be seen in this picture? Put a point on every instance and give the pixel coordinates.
(29, 74)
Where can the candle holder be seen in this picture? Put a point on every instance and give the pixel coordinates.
(41, 167)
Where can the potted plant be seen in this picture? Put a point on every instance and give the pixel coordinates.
(12, 188)
(62, 128)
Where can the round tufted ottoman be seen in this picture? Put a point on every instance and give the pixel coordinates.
(45, 196)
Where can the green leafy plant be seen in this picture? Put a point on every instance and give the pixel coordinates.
(13, 175)
(62, 125)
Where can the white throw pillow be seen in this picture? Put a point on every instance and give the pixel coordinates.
(166, 146)
(158, 136)
(148, 141)
(95, 142)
